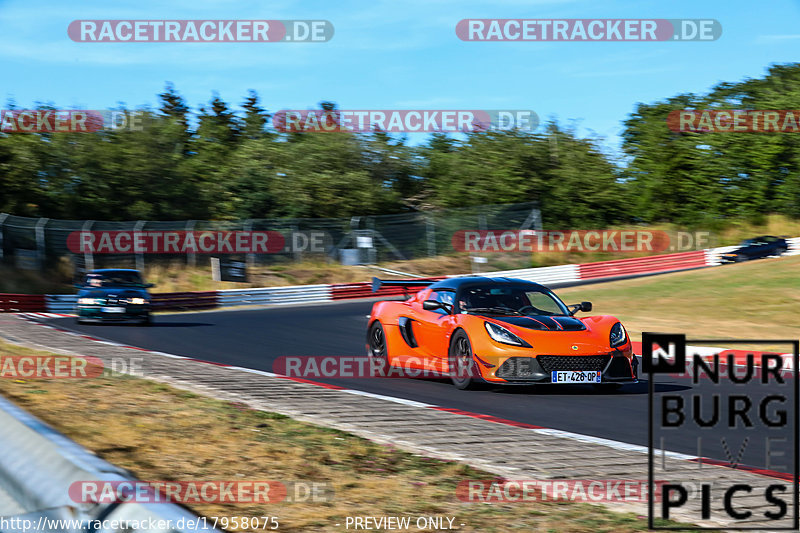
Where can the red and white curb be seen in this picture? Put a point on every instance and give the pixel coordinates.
(44, 315)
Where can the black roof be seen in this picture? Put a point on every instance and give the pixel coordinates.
(482, 281)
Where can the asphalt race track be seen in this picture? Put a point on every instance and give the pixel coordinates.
(255, 338)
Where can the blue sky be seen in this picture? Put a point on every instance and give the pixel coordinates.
(391, 54)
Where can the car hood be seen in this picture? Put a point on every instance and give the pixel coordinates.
(584, 336)
(544, 323)
(120, 292)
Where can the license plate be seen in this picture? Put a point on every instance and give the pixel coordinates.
(113, 309)
(576, 376)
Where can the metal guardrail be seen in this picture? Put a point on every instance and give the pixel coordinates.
(275, 295)
(183, 301)
(794, 246)
(643, 265)
(348, 291)
(38, 465)
(16, 303)
(60, 303)
(713, 254)
(543, 275)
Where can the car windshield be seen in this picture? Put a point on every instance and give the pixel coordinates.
(511, 301)
(119, 278)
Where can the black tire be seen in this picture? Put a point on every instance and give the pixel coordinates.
(461, 364)
(147, 321)
(376, 348)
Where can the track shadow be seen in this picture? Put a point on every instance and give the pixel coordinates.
(155, 324)
(583, 390)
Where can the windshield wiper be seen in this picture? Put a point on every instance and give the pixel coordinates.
(494, 310)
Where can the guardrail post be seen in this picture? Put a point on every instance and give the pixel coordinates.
(191, 259)
(139, 256)
(40, 244)
(534, 220)
(88, 256)
(3, 217)
(250, 258)
(297, 255)
(430, 233)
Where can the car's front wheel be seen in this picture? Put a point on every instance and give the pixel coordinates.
(376, 348)
(146, 321)
(461, 365)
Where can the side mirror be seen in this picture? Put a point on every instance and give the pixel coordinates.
(148, 285)
(583, 306)
(431, 305)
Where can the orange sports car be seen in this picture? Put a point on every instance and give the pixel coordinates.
(479, 330)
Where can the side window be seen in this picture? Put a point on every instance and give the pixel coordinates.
(447, 297)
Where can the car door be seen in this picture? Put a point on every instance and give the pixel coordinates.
(754, 249)
(772, 246)
(435, 327)
(764, 247)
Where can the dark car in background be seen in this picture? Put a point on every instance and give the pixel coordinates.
(113, 295)
(756, 248)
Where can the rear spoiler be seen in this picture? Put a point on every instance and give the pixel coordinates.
(378, 283)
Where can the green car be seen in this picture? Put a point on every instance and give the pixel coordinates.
(113, 295)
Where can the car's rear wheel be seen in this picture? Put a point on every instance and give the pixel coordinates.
(461, 365)
(376, 348)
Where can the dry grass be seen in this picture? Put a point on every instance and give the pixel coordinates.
(161, 433)
(751, 300)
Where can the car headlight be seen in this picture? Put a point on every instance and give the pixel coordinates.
(618, 336)
(88, 301)
(137, 301)
(503, 336)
